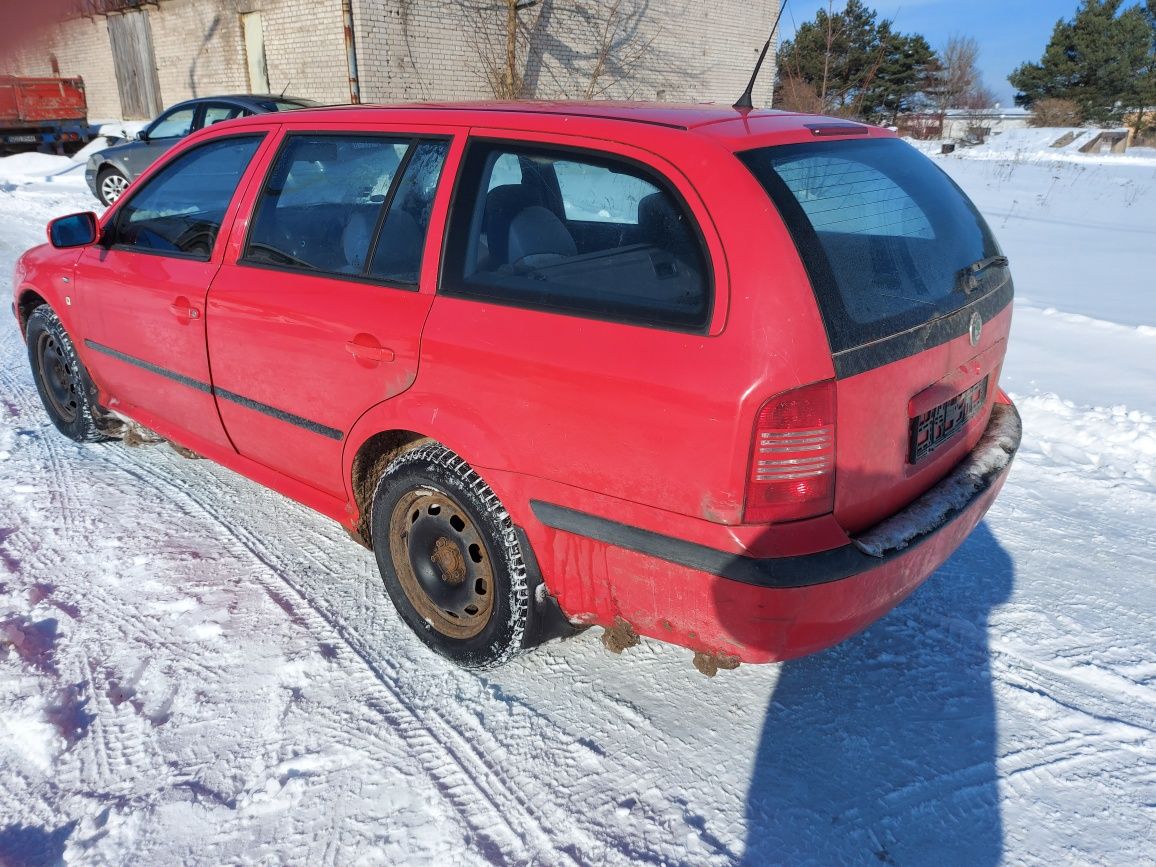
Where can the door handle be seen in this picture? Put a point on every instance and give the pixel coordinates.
(366, 347)
(182, 309)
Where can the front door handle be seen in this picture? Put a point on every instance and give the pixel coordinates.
(183, 310)
(367, 348)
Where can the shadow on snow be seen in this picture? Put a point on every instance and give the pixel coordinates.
(882, 749)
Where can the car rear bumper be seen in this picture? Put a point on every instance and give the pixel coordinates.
(769, 609)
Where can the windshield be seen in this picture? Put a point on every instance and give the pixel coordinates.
(888, 239)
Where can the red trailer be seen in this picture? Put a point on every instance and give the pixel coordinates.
(42, 113)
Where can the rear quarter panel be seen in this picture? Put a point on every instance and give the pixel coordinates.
(658, 419)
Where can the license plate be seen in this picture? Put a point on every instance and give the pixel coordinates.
(22, 139)
(936, 426)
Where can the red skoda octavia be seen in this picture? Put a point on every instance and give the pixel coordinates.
(727, 378)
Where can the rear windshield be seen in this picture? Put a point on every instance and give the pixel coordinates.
(883, 232)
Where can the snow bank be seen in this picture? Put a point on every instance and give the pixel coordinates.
(1114, 444)
(41, 171)
(32, 166)
(1081, 235)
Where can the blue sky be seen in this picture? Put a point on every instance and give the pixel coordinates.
(1009, 32)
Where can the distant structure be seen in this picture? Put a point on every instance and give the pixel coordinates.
(964, 124)
(137, 56)
(960, 123)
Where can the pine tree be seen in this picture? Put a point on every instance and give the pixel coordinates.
(855, 65)
(1102, 60)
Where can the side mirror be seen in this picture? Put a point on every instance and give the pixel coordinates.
(75, 230)
(143, 135)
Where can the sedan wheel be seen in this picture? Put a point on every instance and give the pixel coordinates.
(112, 185)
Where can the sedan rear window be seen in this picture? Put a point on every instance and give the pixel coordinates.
(888, 239)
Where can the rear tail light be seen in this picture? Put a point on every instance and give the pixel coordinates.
(792, 471)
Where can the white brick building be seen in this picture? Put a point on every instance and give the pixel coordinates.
(168, 50)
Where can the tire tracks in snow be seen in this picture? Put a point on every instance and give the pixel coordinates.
(508, 827)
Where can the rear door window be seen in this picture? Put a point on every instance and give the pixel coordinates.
(347, 204)
(215, 112)
(888, 238)
(575, 232)
(397, 250)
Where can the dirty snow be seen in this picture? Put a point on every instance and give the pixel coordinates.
(196, 670)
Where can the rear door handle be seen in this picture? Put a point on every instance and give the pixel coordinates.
(182, 309)
(366, 347)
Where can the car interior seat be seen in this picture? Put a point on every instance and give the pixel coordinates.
(538, 238)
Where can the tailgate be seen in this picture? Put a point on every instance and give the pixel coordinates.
(916, 300)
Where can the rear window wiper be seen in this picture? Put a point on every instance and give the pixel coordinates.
(968, 278)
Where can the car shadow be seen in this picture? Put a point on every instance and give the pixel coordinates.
(882, 749)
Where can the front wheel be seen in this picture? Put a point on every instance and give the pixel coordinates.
(450, 558)
(66, 391)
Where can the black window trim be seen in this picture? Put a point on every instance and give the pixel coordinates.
(260, 134)
(519, 147)
(412, 141)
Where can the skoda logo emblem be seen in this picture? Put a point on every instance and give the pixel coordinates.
(975, 328)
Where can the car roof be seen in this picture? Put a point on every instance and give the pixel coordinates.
(739, 126)
(245, 98)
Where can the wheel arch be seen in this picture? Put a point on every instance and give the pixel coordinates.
(365, 468)
(397, 425)
(28, 299)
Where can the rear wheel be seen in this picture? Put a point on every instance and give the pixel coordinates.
(110, 184)
(450, 558)
(66, 391)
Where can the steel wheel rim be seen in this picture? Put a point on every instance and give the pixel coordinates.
(59, 378)
(113, 186)
(441, 562)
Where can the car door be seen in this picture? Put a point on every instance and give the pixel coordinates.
(317, 313)
(142, 290)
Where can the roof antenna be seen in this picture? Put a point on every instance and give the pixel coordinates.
(744, 102)
(286, 87)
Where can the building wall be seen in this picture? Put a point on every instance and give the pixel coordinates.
(198, 48)
(80, 47)
(305, 47)
(676, 50)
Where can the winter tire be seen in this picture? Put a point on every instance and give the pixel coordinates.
(450, 558)
(67, 392)
(110, 184)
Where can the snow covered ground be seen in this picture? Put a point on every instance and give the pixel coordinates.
(194, 669)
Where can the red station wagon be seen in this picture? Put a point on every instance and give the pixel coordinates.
(726, 378)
